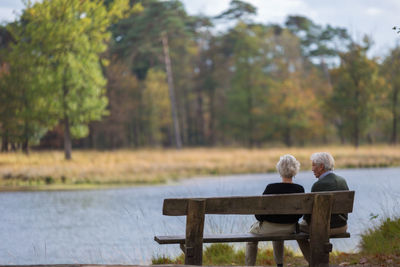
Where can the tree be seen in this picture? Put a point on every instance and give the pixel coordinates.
(25, 115)
(5, 39)
(149, 41)
(238, 10)
(124, 95)
(319, 44)
(158, 108)
(168, 67)
(356, 91)
(391, 71)
(292, 104)
(160, 38)
(247, 95)
(66, 38)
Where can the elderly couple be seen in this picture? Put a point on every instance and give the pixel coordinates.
(288, 167)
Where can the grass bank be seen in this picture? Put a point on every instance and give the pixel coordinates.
(379, 246)
(94, 169)
(227, 255)
(382, 242)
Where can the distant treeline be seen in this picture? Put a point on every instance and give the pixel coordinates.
(158, 77)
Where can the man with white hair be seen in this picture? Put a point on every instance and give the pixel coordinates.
(322, 167)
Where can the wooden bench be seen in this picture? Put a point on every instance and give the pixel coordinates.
(320, 205)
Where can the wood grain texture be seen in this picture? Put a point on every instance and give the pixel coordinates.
(227, 238)
(267, 204)
(194, 232)
(319, 230)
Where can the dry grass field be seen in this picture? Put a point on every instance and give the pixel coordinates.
(49, 170)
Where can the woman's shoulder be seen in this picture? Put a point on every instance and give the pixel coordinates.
(284, 186)
(300, 187)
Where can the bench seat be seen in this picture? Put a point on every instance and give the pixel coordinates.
(320, 205)
(226, 238)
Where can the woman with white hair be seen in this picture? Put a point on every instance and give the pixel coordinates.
(287, 168)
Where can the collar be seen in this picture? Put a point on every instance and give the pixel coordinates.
(325, 174)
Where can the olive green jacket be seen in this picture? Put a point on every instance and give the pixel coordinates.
(331, 182)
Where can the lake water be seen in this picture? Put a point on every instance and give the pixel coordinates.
(117, 226)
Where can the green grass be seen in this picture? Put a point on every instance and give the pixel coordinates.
(383, 239)
(226, 254)
(379, 246)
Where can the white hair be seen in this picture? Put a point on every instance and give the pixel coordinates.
(288, 166)
(325, 159)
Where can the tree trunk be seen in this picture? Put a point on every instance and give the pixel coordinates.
(394, 113)
(326, 71)
(187, 126)
(67, 131)
(25, 146)
(356, 132)
(14, 147)
(341, 132)
(4, 142)
(211, 135)
(199, 117)
(250, 122)
(178, 140)
(25, 143)
(288, 138)
(67, 138)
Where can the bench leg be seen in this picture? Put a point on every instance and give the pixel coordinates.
(194, 232)
(251, 253)
(319, 231)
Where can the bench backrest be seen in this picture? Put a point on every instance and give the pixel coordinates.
(267, 204)
(320, 204)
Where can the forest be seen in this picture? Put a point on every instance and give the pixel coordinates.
(144, 73)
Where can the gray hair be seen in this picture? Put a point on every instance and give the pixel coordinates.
(325, 159)
(288, 166)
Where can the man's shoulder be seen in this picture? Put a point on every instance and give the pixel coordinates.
(341, 182)
(331, 182)
(335, 176)
(317, 185)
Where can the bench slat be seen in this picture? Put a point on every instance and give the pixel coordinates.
(226, 238)
(266, 204)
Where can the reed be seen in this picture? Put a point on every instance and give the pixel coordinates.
(382, 239)
(228, 255)
(48, 169)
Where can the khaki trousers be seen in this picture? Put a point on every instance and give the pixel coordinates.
(305, 244)
(272, 229)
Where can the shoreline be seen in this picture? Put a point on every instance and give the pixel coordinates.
(117, 185)
(93, 170)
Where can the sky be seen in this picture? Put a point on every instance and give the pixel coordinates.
(375, 18)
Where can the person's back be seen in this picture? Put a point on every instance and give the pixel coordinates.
(281, 188)
(331, 182)
(322, 167)
(283, 224)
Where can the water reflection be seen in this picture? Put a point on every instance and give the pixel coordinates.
(117, 226)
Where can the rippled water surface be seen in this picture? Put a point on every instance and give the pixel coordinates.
(117, 226)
